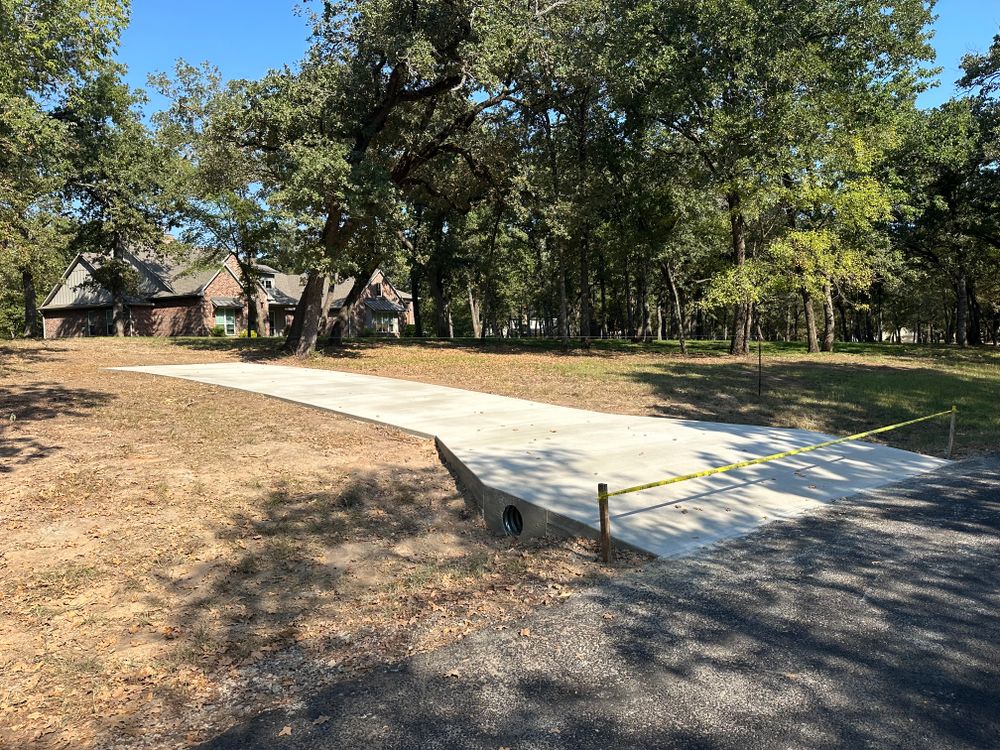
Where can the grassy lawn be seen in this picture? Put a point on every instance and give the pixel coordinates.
(174, 557)
(859, 387)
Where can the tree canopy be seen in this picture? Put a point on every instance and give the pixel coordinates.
(571, 168)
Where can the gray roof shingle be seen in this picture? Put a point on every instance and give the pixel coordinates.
(381, 304)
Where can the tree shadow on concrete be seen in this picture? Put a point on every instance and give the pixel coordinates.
(872, 624)
(24, 404)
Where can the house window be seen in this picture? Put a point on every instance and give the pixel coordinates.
(268, 282)
(226, 319)
(384, 322)
(377, 290)
(277, 322)
(100, 322)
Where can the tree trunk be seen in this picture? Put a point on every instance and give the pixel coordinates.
(418, 322)
(436, 282)
(30, 303)
(974, 332)
(810, 321)
(739, 344)
(845, 331)
(604, 297)
(436, 287)
(563, 303)
(304, 330)
(678, 307)
(341, 321)
(828, 318)
(585, 293)
(474, 313)
(629, 313)
(118, 291)
(254, 304)
(962, 311)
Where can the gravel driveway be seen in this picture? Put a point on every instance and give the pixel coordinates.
(873, 623)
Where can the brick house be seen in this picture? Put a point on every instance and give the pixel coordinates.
(177, 299)
(382, 309)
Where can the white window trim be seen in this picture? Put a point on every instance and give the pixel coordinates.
(226, 312)
(384, 322)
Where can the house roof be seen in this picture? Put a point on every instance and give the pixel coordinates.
(381, 304)
(340, 291)
(163, 277)
(338, 295)
(287, 288)
(159, 277)
(79, 288)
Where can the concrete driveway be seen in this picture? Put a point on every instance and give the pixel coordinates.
(548, 460)
(874, 623)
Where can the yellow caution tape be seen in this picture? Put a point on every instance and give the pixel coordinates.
(776, 456)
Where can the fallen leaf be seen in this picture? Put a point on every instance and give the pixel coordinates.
(286, 731)
(526, 632)
(453, 673)
(320, 720)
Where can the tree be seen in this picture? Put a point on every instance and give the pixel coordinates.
(730, 87)
(949, 223)
(120, 180)
(47, 50)
(388, 88)
(221, 190)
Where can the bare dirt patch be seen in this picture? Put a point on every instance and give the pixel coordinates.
(175, 557)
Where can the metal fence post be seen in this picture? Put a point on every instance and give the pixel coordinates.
(602, 503)
(951, 431)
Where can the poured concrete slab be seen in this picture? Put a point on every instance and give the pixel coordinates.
(547, 460)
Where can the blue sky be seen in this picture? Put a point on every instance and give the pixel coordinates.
(244, 38)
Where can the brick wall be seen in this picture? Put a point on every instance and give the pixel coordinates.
(224, 285)
(171, 318)
(65, 323)
(360, 317)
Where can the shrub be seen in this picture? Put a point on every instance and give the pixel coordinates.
(409, 330)
(218, 331)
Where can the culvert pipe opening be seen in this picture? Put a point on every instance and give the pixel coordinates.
(513, 524)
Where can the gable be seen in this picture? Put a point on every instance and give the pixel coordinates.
(77, 289)
(224, 283)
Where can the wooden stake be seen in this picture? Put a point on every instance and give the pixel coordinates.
(760, 368)
(951, 431)
(602, 502)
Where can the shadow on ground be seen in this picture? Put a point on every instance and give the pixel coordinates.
(264, 350)
(871, 624)
(834, 397)
(24, 404)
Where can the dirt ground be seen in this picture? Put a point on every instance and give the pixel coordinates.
(175, 557)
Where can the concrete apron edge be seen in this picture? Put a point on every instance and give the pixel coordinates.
(492, 502)
(538, 521)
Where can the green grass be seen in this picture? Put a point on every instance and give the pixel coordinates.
(858, 387)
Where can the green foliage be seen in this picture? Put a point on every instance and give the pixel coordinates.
(217, 331)
(48, 52)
